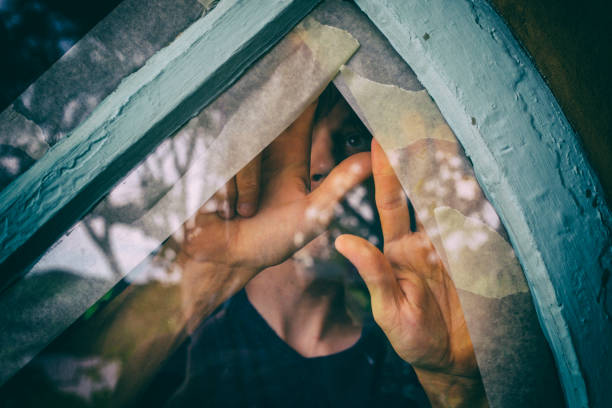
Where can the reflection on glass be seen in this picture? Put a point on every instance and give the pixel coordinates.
(250, 303)
(253, 301)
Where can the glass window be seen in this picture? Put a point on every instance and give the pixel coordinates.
(298, 242)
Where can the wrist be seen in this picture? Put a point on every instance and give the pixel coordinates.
(450, 390)
(205, 285)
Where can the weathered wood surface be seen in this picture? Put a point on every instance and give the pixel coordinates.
(528, 161)
(70, 90)
(148, 106)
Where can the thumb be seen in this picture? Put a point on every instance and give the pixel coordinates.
(373, 267)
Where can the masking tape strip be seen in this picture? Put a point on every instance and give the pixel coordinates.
(480, 260)
(155, 199)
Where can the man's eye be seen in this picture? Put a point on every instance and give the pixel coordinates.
(349, 143)
(357, 142)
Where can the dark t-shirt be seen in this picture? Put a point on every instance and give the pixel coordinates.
(234, 359)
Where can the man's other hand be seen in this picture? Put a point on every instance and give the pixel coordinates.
(413, 299)
(277, 214)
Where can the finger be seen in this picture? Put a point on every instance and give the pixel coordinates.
(291, 149)
(372, 266)
(419, 251)
(390, 198)
(225, 199)
(349, 173)
(248, 182)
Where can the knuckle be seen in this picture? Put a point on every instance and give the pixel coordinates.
(390, 201)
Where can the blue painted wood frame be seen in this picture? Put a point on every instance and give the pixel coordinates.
(531, 166)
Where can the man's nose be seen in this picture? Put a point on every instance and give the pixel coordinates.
(321, 159)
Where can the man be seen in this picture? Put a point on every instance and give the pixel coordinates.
(289, 338)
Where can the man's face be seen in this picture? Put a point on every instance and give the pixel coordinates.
(336, 135)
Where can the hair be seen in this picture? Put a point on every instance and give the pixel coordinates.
(327, 100)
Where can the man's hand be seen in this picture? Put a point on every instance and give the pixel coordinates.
(413, 298)
(289, 215)
(218, 256)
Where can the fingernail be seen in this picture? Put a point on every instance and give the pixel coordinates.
(246, 209)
